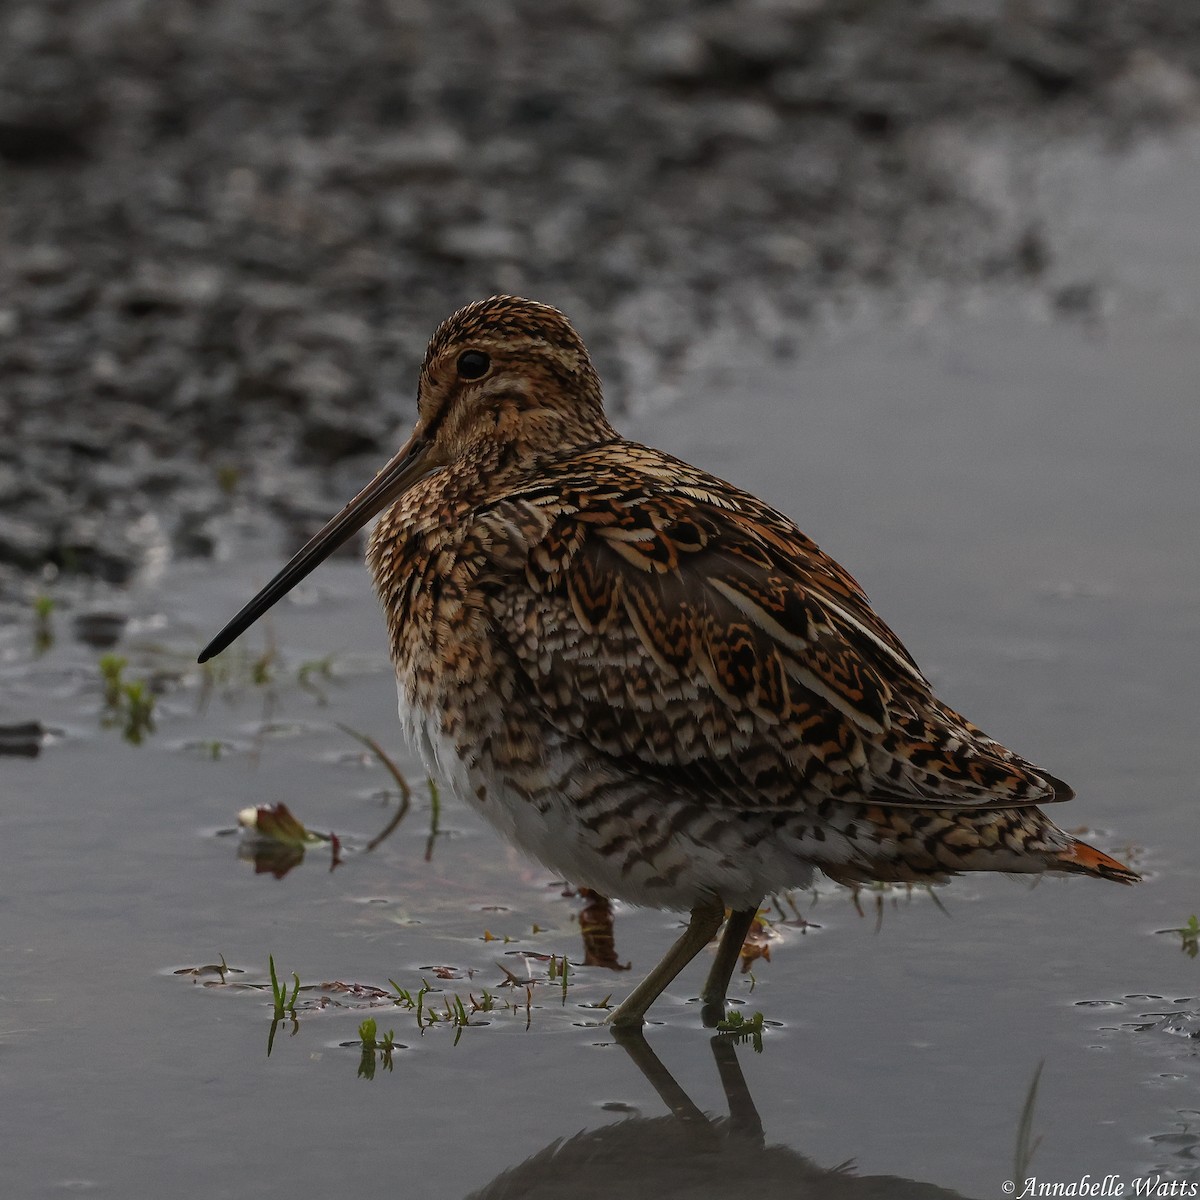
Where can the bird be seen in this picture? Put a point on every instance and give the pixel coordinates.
(689, 1153)
(646, 677)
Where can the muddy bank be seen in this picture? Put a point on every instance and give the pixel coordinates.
(227, 230)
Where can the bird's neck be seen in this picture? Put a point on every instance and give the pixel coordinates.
(523, 441)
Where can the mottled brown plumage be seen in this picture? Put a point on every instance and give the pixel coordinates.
(648, 678)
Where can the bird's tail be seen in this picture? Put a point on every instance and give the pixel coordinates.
(1087, 860)
(914, 845)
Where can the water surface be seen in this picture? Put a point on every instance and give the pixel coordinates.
(1017, 493)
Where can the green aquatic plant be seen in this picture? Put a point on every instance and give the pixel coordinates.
(43, 627)
(743, 1029)
(129, 702)
(228, 477)
(435, 814)
(138, 708)
(456, 1013)
(1189, 936)
(449, 1009)
(485, 1003)
(284, 1004)
(112, 667)
(241, 669)
(560, 971)
(319, 667)
(375, 1050)
(415, 1003)
(260, 668)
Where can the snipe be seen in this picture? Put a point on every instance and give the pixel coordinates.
(647, 678)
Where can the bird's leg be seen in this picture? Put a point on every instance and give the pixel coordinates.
(730, 947)
(744, 1120)
(706, 919)
(633, 1042)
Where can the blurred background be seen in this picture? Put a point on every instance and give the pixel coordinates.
(227, 227)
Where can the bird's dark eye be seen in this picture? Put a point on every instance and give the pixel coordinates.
(473, 364)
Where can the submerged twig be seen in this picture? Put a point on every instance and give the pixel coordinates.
(393, 770)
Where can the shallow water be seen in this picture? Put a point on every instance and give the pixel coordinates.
(1018, 496)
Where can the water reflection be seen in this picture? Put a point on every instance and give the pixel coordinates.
(689, 1153)
(596, 927)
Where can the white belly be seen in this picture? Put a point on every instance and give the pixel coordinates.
(552, 832)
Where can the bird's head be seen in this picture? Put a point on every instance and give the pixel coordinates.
(504, 380)
(508, 372)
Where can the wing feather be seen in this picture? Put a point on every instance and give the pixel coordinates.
(682, 624)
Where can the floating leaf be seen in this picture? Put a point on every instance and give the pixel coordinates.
(277, 823)
(274, 839)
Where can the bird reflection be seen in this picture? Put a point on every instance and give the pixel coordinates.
(596, 926)
(689, 1153)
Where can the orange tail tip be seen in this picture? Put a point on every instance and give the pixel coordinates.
(1079, 856)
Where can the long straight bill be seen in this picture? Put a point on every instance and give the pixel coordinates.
(401, 473)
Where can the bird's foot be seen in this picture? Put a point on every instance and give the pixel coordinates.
(624, 1019)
